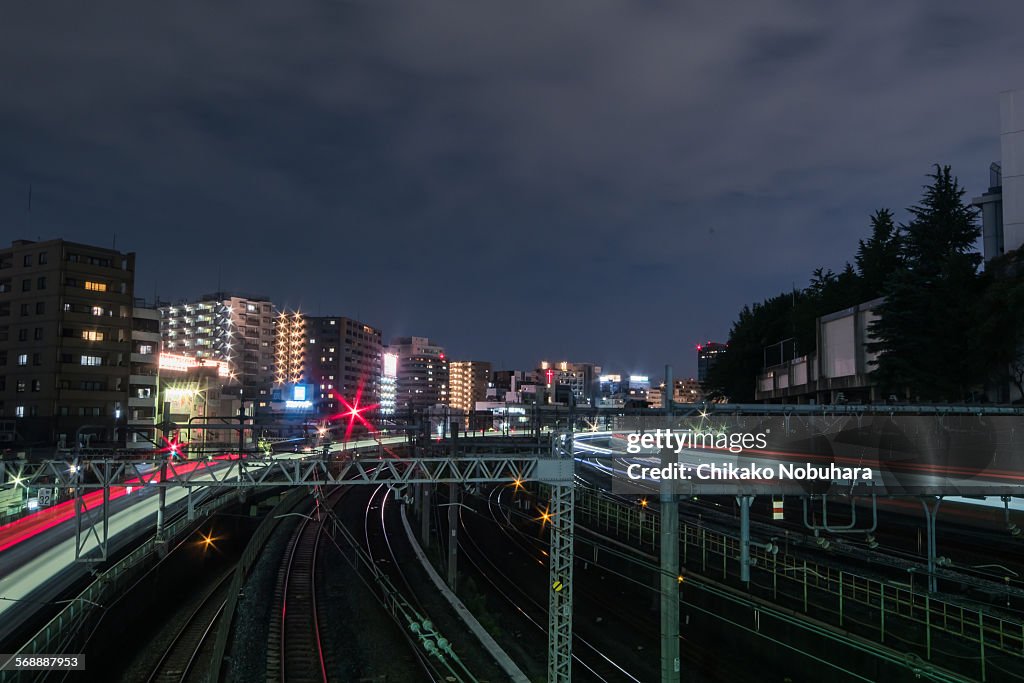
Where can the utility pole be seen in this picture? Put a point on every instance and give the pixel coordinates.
(744, 503)
(424, 506)
(453, 517)
(669, 559)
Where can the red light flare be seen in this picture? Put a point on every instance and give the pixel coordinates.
(173, 446)
(353, 412)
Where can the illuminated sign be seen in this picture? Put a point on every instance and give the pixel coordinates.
(639, 378)
(391, 365)
(610, 378)
(178, 394)
(515, 410)
(173, 363)
(298, 397)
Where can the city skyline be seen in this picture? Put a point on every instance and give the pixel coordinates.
(450, 171)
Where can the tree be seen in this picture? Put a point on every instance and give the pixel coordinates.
(923, 333)
(999, 336)
(880, 256)
(734, 373)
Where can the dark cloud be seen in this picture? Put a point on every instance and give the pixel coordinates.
(600, 180)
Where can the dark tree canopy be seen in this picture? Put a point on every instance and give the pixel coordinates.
(928, 317)
(880, 255)
(1000, 314)
(943, 329)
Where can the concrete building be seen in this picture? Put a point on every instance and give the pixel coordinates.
(235, 328)
(194, 393)
(143, 408)
(422, 374)
(707, 356)
(564, 379)
(65, 340)
(686, 391)
(515, 386)
(836, 372)
(468, 383)
(343, 358)
(635, 388)
(1002, 206)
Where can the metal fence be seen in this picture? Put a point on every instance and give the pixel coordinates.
(60, 632)
(971, 639)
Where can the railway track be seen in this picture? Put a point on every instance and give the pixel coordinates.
(590, 661)
(509, 520)
(179, 661)
(380, 550)
(295, 651)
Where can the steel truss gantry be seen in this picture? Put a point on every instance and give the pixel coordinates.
(92, 476)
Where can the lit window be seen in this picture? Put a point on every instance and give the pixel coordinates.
(97, 310)
(19, 411)
(23, 359)
(92, 335)
(92, 360)
(95, 286)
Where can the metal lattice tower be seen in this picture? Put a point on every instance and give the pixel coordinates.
(560, 511)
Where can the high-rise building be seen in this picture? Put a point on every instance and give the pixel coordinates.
(467, 383)
(580, 380)
(707, 355)
(422, 374)
(1002, 206)
(235, 328)
(65, 340)
(343, 359)
(142, 380)
(289, 348)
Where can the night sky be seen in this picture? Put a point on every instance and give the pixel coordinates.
(598, 181)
